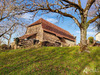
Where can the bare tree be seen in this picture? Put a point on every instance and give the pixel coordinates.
(62, 7)
(1, 41)
(97, 22)
(9, 34)
(15, 26)
(6, 28)
(8, 10)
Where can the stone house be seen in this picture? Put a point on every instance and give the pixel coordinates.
(46, 33)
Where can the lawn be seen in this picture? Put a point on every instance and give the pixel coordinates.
(50, 61)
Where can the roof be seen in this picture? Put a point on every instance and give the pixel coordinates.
(98, 42)
(26, 36)
(51, 28)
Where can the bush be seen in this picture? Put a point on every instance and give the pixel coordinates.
(91, 39)
(16, 41)
(4, 46)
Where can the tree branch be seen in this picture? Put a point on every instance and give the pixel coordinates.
(79, 3)
(94, 19)
(73, 4)
(60, 12)
(5, 37)
(7, 30)
(57, 11)
(3, 18)
(89, 4)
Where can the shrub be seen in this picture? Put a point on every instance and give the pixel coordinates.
(91, 39)
(16, 41)
(4, 46)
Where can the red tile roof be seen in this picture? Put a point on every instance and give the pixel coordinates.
(49, 27)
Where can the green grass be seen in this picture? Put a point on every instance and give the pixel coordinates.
(50, 61)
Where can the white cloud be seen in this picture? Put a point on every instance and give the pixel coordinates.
(52, 20)
(25, 16)
(77, 31)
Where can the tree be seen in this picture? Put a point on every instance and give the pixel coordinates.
(62, 6)
(91, 40)
(97, 22)
(9, 34)
(17, 26)
(9, 9)
(1, 41)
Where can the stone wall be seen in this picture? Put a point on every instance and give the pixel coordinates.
(13, 45)
(53, 38)
(70, 43)
(50, 37)
(25, 43)
(33, 37)
(38, 35)
(36, 29)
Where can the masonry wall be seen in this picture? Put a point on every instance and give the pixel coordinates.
(70, 43)
(98, 37)
(26, 43)
(38, 34)
(36, 29)
(50, 37)
(53, 38)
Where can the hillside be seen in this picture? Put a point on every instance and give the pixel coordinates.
(50, 61)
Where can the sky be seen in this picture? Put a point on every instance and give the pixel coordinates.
(65, 23)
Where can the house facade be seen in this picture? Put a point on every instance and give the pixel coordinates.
(98, 36)
(97, 41)
(46, 33)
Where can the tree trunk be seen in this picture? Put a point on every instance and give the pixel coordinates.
(83, 41)
(8, 42)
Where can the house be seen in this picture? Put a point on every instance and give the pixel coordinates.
(46, 33)
(97, 41)
(98, 36)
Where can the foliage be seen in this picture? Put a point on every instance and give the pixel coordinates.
(50, 61)
(4, 46)
(16, 41)
(91, 39)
